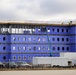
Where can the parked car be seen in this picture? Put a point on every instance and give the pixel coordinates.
(23, 64)
(2, 65)
(11, 65)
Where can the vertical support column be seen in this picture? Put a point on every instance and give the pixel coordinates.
(21, 29)
(10, 29)
(15, 28)
(0, 28)
(6, 29)
(18, 29)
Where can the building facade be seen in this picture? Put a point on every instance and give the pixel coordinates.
(23, 41)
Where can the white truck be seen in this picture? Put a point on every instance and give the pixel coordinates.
(52, 61)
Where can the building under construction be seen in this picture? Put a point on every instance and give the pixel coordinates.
(21, 41)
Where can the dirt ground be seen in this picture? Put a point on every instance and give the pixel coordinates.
(39, 72)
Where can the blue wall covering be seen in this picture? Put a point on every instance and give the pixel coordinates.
(42, 43)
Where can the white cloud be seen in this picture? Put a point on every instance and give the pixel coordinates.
(41, 10)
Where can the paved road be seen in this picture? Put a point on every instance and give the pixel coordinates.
(39, 72)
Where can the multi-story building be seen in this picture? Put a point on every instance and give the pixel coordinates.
(21, 41)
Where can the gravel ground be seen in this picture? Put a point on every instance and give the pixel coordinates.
(39, 72)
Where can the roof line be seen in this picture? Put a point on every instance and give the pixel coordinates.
(51, 23)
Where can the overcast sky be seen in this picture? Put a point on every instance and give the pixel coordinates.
(38, 10)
